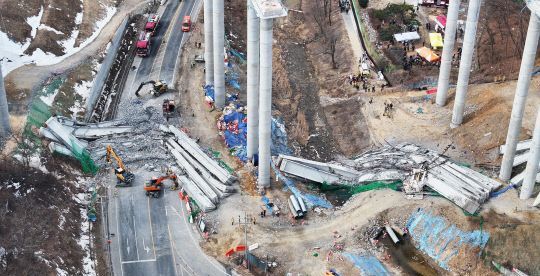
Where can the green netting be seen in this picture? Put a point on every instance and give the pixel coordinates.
(222, 163)
(360, 188)
(195, 209)
(88, 165)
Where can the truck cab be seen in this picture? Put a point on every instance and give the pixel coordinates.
(152, 24)
(186, 24)
(143, 44)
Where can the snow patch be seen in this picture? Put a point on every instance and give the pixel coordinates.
(84, 242)
(49, 99)
(34, 22)
(78, 18)
(12, 54)
(47, 28)
(61, 272)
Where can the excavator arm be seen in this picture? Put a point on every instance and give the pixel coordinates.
(143, 84)
(111, 153)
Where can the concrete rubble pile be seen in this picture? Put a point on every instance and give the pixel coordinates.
(461, 185)
(522, 156)
(68, 136)
(205, 180)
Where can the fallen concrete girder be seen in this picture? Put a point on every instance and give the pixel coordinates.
(343, 172)
(221, 189)
(92, 133)
(195, 150)
(63, 135)
(454, 195)
(521, 159)
(196, 194)
(307, 172)
(194, 175)
(521, 146)
(55, 147)
(518, 179)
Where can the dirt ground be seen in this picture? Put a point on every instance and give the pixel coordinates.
(339, 121)
(40, 220)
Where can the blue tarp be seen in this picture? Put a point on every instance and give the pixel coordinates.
(441, 240)
(209, 91)
(368, 265)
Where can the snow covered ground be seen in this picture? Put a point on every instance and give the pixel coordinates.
(12, 53)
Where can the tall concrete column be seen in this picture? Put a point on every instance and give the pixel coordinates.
(253, 30)
(5, 128)
(522, 90)
(532, 164)
(265, 103)
(219, 55)
(466, 62)
(446, 59)
(208, 42)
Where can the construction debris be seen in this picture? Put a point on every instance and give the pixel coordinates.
(415, 166)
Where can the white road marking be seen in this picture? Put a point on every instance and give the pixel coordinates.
(146, 248)
(183, 217)
(196, 7)
(135, 231)
(165, 40)
(151, 231)
(172, 250)
(119, 238)
(139, 261)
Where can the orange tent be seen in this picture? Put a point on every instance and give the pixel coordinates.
(427, 54)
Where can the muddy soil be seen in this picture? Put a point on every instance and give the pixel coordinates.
(40, 221)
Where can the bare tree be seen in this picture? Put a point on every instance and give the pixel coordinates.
(319, 16)
(331, 44)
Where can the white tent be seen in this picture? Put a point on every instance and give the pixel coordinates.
(402, 37)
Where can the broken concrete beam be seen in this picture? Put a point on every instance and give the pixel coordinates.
(521, 159)
(452, 194)
(221, 189)
(194, 175)
(489, 182)
(521, 146)
(74, 123)
(307, 172)
(194, 192)
(64, 136)
(455, 183)
(55, 147)
(391, 234)
(518, 179)
(91, 133)
(467, 180)
(347, 173)
(537, 201)
(195, 150)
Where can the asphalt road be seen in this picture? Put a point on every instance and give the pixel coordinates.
(151, 236)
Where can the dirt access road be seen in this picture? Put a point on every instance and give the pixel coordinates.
(27, 77)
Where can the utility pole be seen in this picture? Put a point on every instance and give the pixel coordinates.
(245, 223)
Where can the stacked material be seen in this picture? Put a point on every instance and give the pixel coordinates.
(522, 156)
(69, 136)
(205, 180)
(463, 186)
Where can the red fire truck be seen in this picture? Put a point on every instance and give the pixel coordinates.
(143, 44)
(152, 23)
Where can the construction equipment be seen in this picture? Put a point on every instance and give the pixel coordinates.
(123, 176)
(154, 186)
(168, 108)
(158, 87)
(152, 23)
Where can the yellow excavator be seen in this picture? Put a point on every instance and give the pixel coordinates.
(123, 176)
(158, 87)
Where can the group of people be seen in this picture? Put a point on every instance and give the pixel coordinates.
(344, 5)
(356, 80)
